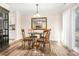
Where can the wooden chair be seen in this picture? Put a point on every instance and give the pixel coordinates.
(26, 39)
(44, 40)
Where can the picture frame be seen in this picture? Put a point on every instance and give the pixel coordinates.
(39, 23)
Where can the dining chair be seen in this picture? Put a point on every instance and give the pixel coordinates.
(44, 40)
(26, 39)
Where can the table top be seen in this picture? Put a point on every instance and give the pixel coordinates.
(35, 33)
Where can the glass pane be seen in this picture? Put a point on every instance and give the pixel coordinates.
(77, 28)
(1, 21)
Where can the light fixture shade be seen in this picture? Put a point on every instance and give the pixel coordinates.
(36, 15)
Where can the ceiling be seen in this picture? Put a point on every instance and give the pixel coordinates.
(30, 8)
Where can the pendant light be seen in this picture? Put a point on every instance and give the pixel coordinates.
(37, 13)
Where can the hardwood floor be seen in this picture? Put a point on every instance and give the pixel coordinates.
(16, 49)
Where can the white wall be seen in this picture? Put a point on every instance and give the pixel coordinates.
(18, 26)
(54, 23)
(15, 18)
(57, 27)
(12, 20)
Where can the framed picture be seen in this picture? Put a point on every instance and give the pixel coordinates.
(39, 23)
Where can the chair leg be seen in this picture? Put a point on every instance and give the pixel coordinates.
(23, 44)
(29, 44)
(49, 48)
(44, 47)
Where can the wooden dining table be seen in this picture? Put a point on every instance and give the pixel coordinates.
(36, 33)
(34, 36)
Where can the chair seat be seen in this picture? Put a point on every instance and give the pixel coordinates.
(40, 40)
(47, 42)
(27, 39)
(41, 36)
(33, 36)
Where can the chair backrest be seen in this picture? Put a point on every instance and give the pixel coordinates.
(46, 35)
(23, 33)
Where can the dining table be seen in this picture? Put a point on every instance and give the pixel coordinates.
(35, 37)
(33, 33)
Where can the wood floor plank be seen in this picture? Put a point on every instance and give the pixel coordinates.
(16, 49)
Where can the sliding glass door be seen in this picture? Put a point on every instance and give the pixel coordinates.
(77, 28)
